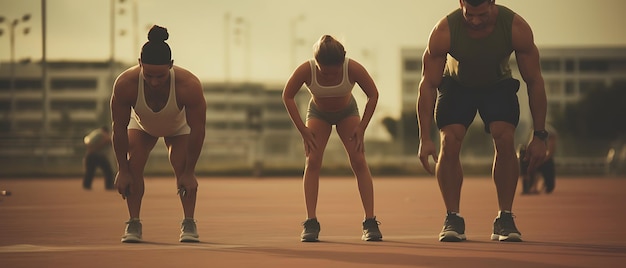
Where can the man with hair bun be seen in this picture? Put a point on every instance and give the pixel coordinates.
(466, 69)
(154, 99)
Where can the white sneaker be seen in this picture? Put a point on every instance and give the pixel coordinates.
(188, 231)
(132, 233)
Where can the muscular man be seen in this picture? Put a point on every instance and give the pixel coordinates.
(150, 100)
(466, 70)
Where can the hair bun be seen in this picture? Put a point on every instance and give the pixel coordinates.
(158, 34)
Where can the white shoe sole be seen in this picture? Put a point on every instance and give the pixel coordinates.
(512, 237)
(189, 238)
(131, 239)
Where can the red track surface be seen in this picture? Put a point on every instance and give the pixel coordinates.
(247, 222)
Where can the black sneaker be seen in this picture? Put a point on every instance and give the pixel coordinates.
(311, 231)
(504, 229)
(453, 229)
(371, 231)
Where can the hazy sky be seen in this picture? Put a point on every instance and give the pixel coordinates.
(373, 32)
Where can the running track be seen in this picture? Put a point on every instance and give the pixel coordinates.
(251, 222)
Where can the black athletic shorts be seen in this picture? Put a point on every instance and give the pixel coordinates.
(457, 104)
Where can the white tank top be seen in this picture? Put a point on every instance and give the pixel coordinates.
(168, 121)
(319, 91)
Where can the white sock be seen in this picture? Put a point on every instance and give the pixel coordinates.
(504, 211)
(454, 213)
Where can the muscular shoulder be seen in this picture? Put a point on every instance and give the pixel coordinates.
(186, 79)
(188, 86)
(522, 34)
(129, 76)
(125, 86)
(439, 40)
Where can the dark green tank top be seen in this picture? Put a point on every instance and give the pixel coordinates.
(483, 61)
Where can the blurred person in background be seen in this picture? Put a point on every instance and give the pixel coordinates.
(97, 153)
(330, 77)
(151, 100)
(546, 172)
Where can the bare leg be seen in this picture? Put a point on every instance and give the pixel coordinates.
(505, 165)
(361, 170)
(140, 144)
(313, 165)
(449, 171)
(177, 148)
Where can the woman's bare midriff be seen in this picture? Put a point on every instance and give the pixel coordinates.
(332, 104)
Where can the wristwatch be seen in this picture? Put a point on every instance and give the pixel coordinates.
(541, 134)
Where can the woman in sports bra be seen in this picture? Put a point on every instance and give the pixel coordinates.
(329, 78)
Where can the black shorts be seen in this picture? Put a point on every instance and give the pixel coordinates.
(457, 104)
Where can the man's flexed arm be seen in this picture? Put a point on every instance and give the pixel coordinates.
(121, 103)
(433, 60)
(527, 56)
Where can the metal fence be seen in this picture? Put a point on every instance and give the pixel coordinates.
(29, 156)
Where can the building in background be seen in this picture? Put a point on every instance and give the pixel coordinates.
(248, 129)
(570, 73)
(44, 122)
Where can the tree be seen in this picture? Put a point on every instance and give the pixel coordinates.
(599, 115)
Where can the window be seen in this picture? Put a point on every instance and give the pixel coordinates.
(217, 125)
(5, 84)
(411, 86)
(617, 65)
(594, 65)
(570, 88)
(5, 105)
(602, 65)
(570, 66)
(274, 124)
(20, 84)
(73, 83)
(619, 83)
(217, 107)
(412, 65)
(5, 126)
(587, 86)
(30, 105)
(276, 147)
(28, 84)
(550, 65)
(554, 107)
(553, 87)
(29, 125)
(58, 105)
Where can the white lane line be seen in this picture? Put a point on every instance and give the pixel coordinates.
(139, 246)
(26, 248)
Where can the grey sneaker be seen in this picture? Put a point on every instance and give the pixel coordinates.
(504, 229)
(453, 229)
(188, 231)
(371, 232)
(311, 231)
(132, 233)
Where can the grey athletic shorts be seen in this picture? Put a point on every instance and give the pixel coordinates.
(332, 118)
